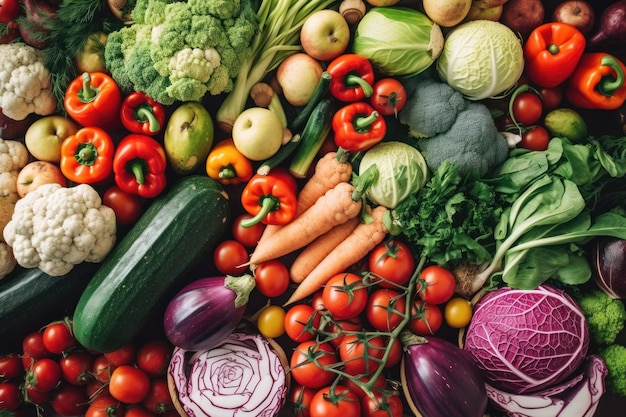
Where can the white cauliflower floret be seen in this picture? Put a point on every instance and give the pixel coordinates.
(194, 63)
(55, 228)
(7, 260)
(25, 82)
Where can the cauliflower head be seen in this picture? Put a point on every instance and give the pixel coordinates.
(55, 228)
(25, 82)
(180, 51)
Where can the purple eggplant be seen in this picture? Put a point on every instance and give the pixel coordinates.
(609, 266)
(441, 380)
(206, 311)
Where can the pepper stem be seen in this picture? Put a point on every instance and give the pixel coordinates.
(352, 79)
(88, 93)
(609, 84)
(144, 114)
(553, 49)
(138, 167)
(86, 154)
(227, 172)
(363, 123)
(268, 203)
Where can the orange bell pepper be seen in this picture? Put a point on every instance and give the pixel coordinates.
(87, 156)
(94, 99)
(597, 82)
(227, 165)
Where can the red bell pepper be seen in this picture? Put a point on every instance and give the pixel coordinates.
(94, 99)
(141, 114)
(358, 127)
(352, 77)
(87, 156)
(552, 52)
(139, 165)
(271, 198)
(598, 82)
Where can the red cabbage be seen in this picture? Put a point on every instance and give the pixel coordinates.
(527, 340)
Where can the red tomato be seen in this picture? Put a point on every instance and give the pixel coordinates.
(345, 295)
(10, 396)
(361, 354)
(58, 338)
(229, 256)
(388, 96)
(336, 329)
(551, 97)
(102, 369)
(10, 366)
(300, 398)
(96, 388)
(426, 318)
(105, 406)
(34, 396)
(379, 384)
(272, 278)
(392, 261)
(383, 405)
(33, 349)
(535, 139)
(436, 284)
(127, 207)
(301, 322)
(527, 108)
(76, 367)
(317, 301)
(385, 309)
(305, 371)
(122, 356)
(337, 401)
(158, 399)
(129, 384)
(138, 411)
(395, 354)
(70, 400)
(153, 357)
(44, 375)
(247, 236)
(9, 10)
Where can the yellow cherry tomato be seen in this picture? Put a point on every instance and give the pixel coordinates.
(271, 321)
(458, 312)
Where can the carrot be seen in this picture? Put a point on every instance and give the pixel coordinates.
(350, 251)
(333, 208)
(319, 248)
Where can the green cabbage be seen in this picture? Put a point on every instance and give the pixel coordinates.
(398, 41)
(401, 171)
(481, 59)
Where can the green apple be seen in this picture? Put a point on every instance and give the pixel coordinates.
(257, 133)
(188, 137)
(44, 137)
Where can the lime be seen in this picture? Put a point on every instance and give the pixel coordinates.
(566, 122)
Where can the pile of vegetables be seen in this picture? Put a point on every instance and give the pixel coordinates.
(428, 218)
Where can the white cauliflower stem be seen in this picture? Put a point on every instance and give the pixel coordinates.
(55, 228)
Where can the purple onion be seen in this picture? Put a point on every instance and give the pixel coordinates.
(609, 266)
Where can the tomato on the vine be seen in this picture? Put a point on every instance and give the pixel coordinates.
(301, 322)
(385, 309)
(158, 399)
(361, 353)
(377, 385)
(10, 366)
(395, 353)
(388, 96)
(230, 257)
(102, 369)
(122, 356)
(129, 384)
(392, 261)
(34, 396)
(138, 411)
(10, 396)
(426, 318)
(345, 295)
(336, 329)
(335, 401)
(458, 312)
(127, 207)
(305, 370)
(527, 108)
(271, 321)
(33, 349)
(76, 367)
(436, 284)
(70, 400)
(44, 375)
(535, 138)
(105, 406)
(300, 398)
(247, 236)
(153, 357)
(551, 97)
(383, 405)
(271, 278)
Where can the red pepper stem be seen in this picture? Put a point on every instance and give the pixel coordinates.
(352, 79)
(609, 84)
(227, 172)
(363, 123)
(268, 203)
(138, 167)
(88, 93)
(144, 114)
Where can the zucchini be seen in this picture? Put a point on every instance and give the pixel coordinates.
(178, 229)
(318, 94)
(313, 136)
(279, 157)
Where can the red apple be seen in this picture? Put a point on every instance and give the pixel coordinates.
(577, 13)
(44, 137)
(36, 174)
(325, 34)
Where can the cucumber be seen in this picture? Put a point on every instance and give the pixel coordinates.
(318, 94)
(178, 229)
(313, 136)
(279, 157)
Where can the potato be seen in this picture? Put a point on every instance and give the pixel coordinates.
(522, 16)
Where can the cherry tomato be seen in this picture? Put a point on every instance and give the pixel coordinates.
(535, 139)
(379, 384)
(271, 321)
(76, 367)
(247, 236)
(345, 295)
(127, 207)
(96, 388)
(271, 278)
(153, 357)
(426, 318)
(392, 261)
(301, 322)
(436, 284)
(527, 108)
(337, 329)
(388, 96)
(105, 406)
(33, 349)
(361, 354)
(122, 356)
(300, 398)
(44, 375)
(457, 312)
(10, 396)
(138, 411)
(70, 400)
(34, 396)
(9, 10)
(395, 354)
(335, 401)
(102, 368)
(317, 300)
(129, 384)
(551, 97)
(385, 309)
(158, 399)
(58, 338)
(305, 371)
(383, 405)
(230, 256)
(10, 367)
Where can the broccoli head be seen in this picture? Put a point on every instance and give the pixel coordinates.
(614, 357)
(180, 51)
(605, 316)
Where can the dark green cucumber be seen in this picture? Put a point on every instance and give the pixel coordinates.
(279, 157)
(313, 136)
(178, 229)
(318, 94)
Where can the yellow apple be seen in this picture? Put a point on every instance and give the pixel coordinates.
(478, 13)
(325, 34)
(257, 133)
(298, 76)
(44, 137)
(36, 174)
(447, 13)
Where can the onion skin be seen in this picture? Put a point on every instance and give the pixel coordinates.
(442, 380)
(609, 266)
(206, 311)
(612, 27)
